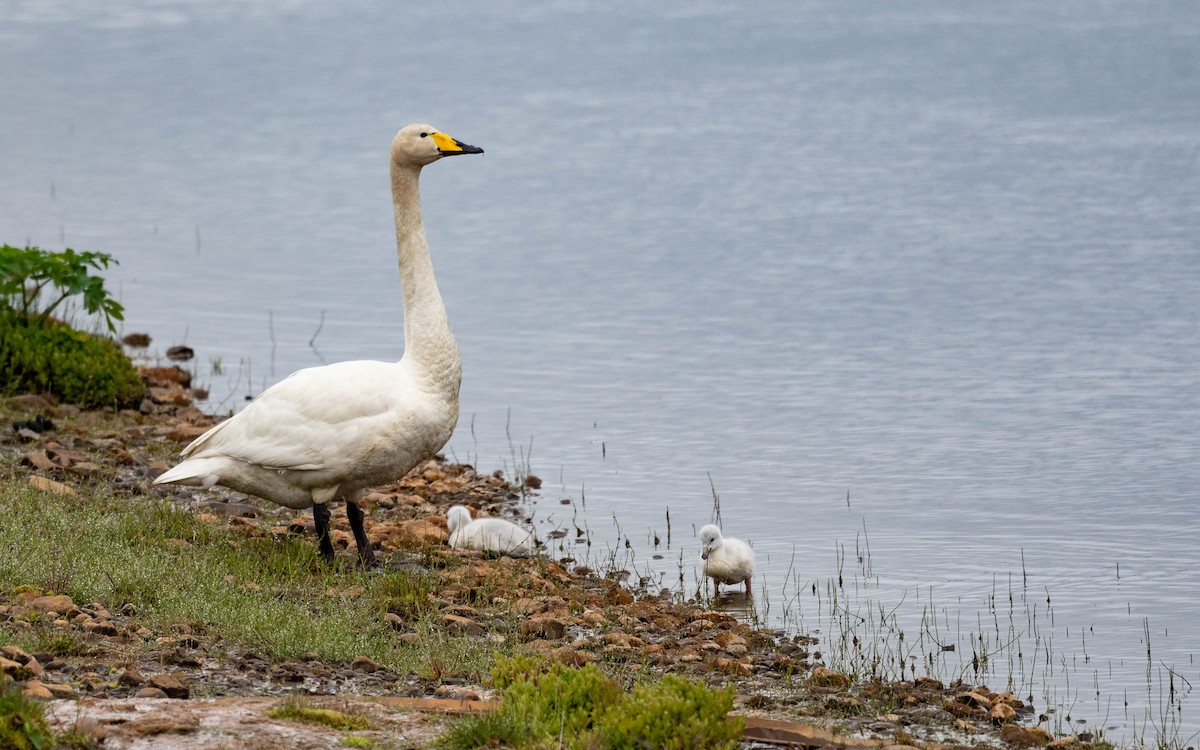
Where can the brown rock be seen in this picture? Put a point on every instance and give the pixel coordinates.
(1001, 713)
(171, 394)
(186, 433)
(62, 604)
(165, 376)
(171, 684)
(101, 627)
(49, 485)
(543, 626)
(15, 669)
(1018, 736)
(38, 691)
(959, 709)
(1041, 734)
(617, 596)
(85, 469)
(15, 653)
(732, 666)
(419, 533)
(131, 678)
(570, 656)
(727, 638)
(30, 402)
(462, 626)
(364, 664)
(39, 460)
(162, 723)
(822, 677)
(975, 698)
(150, 692)
(60, 691)
(624, 640)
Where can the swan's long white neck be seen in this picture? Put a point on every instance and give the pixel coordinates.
(429, 346)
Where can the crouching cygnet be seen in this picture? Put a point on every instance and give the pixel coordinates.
(726, 560)
(488, 534)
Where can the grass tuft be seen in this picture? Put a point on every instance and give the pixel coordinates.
(294, 709)
(23, 724)
(546, 704)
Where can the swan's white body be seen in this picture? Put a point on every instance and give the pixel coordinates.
(331, 432)
(488, 534)
(726, 560)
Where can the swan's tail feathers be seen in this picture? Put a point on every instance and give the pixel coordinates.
(195, 472)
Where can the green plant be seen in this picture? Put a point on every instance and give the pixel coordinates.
(672, 714)
(23, 724)
(75, 366)
(293, 709)
(26, 273)
(546, 704)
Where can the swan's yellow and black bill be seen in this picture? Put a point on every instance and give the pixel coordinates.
(447, 146)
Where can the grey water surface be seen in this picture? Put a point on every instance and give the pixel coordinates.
(912, 282)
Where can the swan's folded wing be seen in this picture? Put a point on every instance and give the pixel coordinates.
(314, 420)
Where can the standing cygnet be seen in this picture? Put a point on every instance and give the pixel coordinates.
(726, 560)
(488, 534)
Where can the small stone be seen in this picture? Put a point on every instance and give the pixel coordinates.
(150, 692)
(101, 627)
(364, 664)
(16, 653)
(1018, 736)
(14, 669)
(131, 678)
(38, 691)
(617, 596)
(975, 698)
(570, 656)
(61, 604)
(49, 485)
(394, 621)
(60, 691)
(462, 626)
(456, 692)
(543, 626)
(171, 684)
(1002, 712)
(822, 677)
(1041, 734)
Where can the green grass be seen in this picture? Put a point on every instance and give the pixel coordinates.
(547, 705)
(295, 709)
(23, 724)
(273, 596)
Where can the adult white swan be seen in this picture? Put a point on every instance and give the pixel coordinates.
(328, 433)
(726, 560)
(488, 534)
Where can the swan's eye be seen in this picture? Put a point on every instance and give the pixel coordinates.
(424, 135)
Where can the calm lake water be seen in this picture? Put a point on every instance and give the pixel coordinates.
(917, 283)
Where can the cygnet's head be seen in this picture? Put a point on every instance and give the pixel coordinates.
(420, 144)
(457, 517)
(710, 539)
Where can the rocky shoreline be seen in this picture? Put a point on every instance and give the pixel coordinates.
(140, 687)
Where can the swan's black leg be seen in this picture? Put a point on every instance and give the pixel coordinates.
(355, 514)
(324, 543)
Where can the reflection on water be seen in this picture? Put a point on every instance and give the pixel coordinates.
(912, 286)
